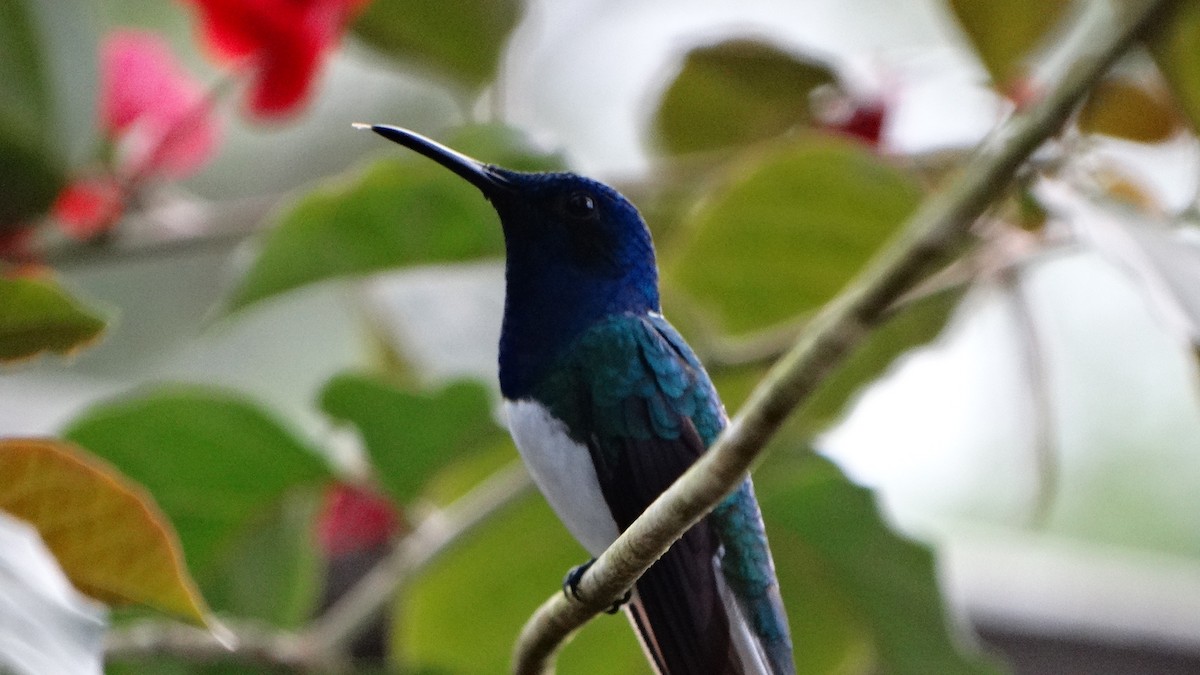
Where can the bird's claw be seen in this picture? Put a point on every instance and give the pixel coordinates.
(571, 586)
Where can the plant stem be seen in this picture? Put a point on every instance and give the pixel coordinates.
(341, 624)
(322, 645)
(926, 240)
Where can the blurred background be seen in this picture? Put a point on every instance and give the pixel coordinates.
(1029, 418)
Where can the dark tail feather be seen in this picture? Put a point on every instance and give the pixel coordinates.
(679, 613)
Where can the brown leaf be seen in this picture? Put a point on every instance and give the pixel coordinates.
(106, 532)
(1128, 109)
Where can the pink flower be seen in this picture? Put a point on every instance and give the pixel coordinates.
(160, 115)
(285, 41)
(159, 119)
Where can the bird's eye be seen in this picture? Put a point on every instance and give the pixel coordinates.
(580, 205)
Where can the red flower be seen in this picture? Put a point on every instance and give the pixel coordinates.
(157, 116)
(355, 519)
(864, 122)
(87, 207)
(286, 42)
(161, 116)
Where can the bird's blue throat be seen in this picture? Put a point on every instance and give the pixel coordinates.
(577, 253)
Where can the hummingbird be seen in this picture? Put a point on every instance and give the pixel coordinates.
(608, 405)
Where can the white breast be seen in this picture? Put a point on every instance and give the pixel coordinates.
(563, 471)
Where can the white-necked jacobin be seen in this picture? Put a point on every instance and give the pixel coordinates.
(608, 406)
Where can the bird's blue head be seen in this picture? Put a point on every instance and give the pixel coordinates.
(577, 252)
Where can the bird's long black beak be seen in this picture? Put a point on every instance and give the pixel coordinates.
(483, 176)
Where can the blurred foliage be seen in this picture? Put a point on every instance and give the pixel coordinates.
(786, 228)
(30, 171)
(107, 534)
(36, 315)
(213, 461)
(862, 599)
(270, 570)
(1176, 49)
(1006, 34)
(1127, 109)
(765, 217)
(409, 435)
(736, 92)
(462, 39)
(495, 579)
(403, 210)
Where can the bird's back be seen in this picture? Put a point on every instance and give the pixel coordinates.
(633, 410)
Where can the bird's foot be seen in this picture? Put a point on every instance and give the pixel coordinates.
(571, 586)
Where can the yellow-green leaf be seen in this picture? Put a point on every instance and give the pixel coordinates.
(463, 39)
(37, 315)
(736, 92)
(403, 210)
(787, 229)
(106, 531)
(1127, 109)
(860, 597)
(1005, 32)
(30, 170)
(1176, 49)
(214, 460)
(409, 435)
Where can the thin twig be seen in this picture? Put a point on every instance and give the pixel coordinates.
(322, 644)
(926, 240)
(343, 622)
(248, 643)
(1033, 362)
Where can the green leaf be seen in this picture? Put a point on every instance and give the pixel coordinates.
(410, 435)
(29, 174)
(37, 315)
(214, 461)
(860, 598)
(1176, 49)
(1005, 32)
(497, 577)
(463, 39)
(1128, 109)
(271, 570)
(736, 92)
(788, 229)
(404, 210)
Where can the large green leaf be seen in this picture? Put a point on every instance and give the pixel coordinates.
(410, 435)
(271, 570)
(1004, 32)
(213, 461)
(404, 210)
(788, 229)
(30, 175)
(861, 599)
(736, 92)
(496, 578)
(463, 39)
(1176, 49)
(37, 315)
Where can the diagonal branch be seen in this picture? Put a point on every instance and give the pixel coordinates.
(928, 238)
(343, 622)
